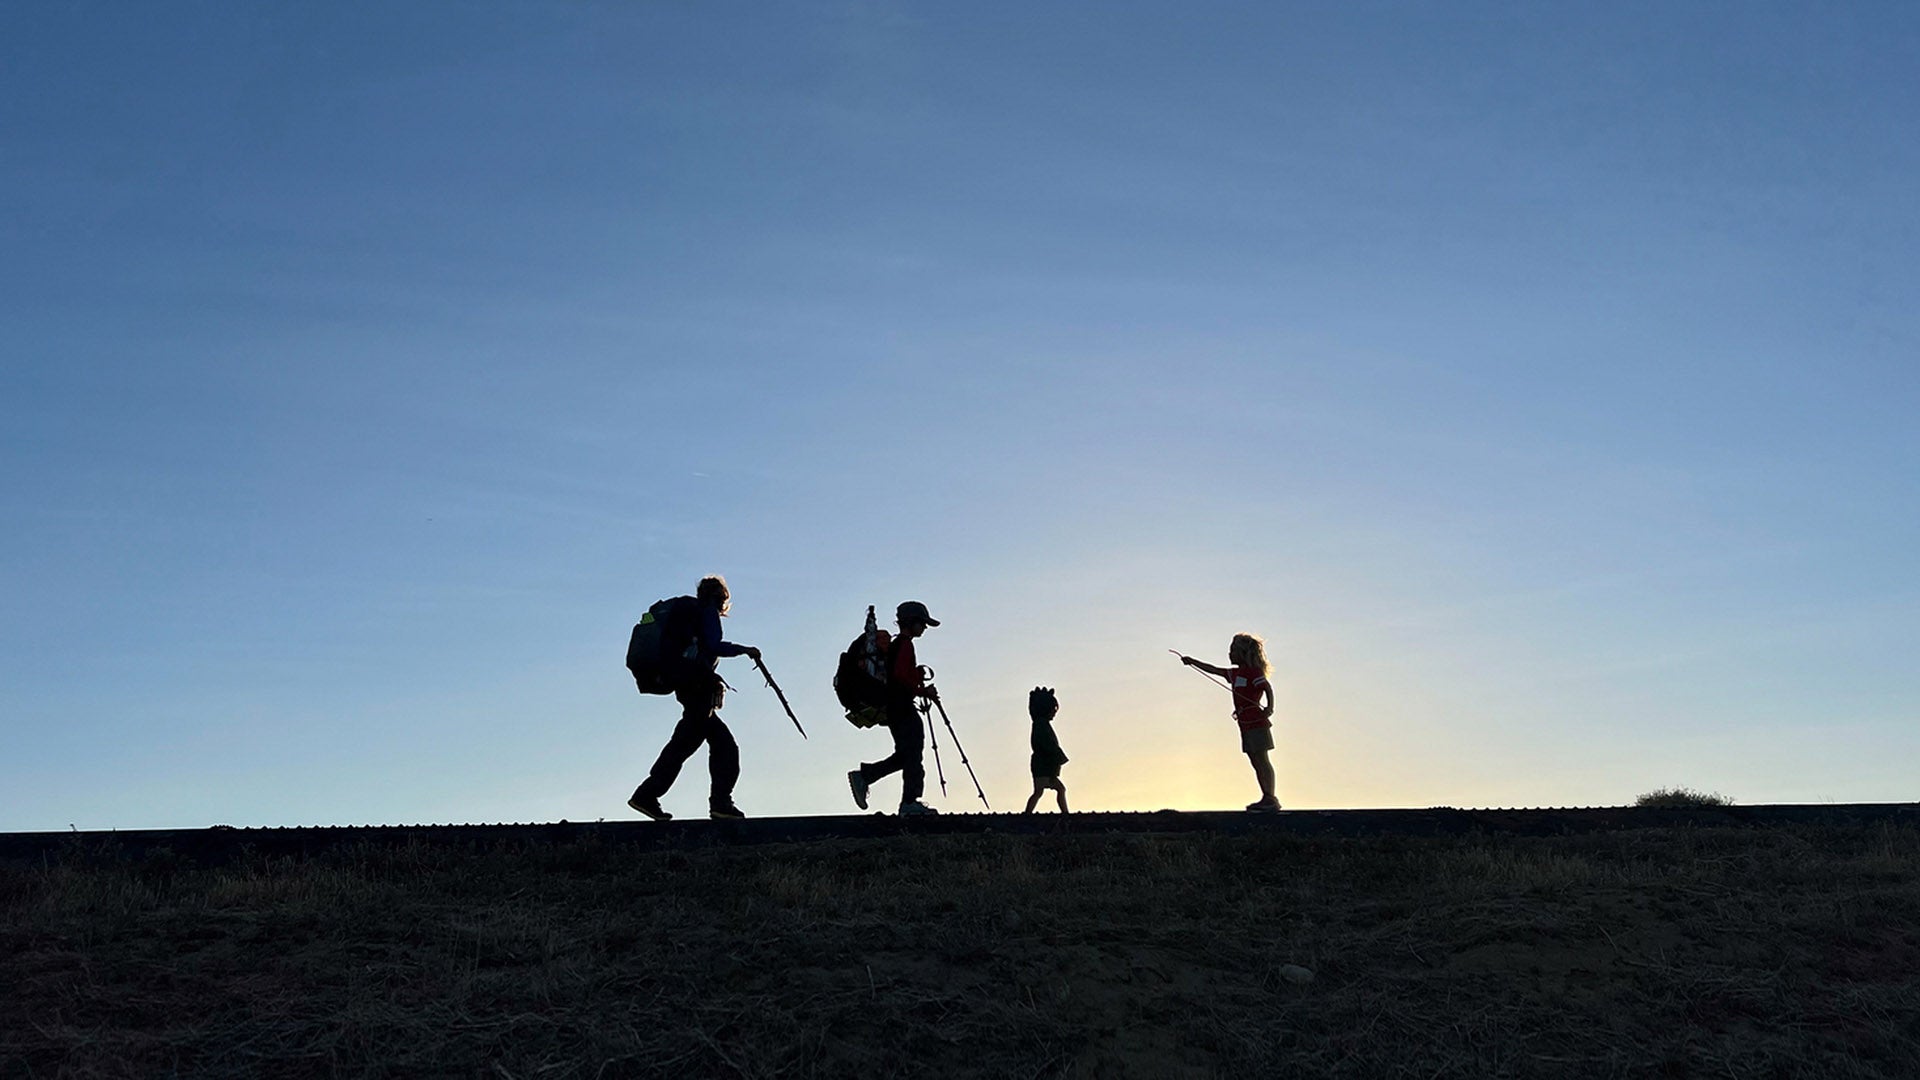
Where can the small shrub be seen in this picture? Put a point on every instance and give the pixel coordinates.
(1680, 798)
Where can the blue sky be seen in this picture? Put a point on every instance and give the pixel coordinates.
(1533, 377)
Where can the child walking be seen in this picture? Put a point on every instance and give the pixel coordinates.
(1252, 708)
(1042, 706)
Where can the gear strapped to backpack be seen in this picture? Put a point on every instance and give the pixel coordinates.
(662, 640)
(861, 680)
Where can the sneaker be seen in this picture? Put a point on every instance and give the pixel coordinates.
(724, 810)
(859, 785)
(1264, 806)
(915, 808)
(649, 807)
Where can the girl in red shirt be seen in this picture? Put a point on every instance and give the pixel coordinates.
(1252, 708)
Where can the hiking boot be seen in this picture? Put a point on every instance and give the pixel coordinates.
(1264, 806)
(859, 785)
(649, 807)
(915, 808)
(724, 810)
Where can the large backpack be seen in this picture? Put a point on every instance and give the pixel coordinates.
(860, 682)
(658, 647)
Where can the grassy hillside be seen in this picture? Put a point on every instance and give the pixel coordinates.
(1709, 952)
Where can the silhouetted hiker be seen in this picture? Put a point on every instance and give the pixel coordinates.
(905, 685)
(692, 645)
(1252, 708)
(1042, 706)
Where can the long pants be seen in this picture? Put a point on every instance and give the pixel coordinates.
(699, 723)
(907, 759)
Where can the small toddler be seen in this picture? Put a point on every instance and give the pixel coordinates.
(1042, 705)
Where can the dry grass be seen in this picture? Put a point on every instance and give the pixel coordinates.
(1710, 952)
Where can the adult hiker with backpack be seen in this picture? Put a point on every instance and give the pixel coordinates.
(905, 684)
(676, 648)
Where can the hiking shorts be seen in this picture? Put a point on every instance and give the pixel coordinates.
(1255, 739)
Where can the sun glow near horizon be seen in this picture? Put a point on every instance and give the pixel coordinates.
(1544, 400)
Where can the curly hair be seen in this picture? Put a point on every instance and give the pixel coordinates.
(714, 587)
(1248, 650)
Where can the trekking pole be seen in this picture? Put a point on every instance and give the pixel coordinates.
(768, 675)
(937, 769)
(963, 753)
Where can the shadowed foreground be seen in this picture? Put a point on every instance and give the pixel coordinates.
(1751, 952)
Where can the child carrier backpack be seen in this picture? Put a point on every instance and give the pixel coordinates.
(661, 637)
(861, 680)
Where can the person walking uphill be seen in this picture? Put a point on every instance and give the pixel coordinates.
(906, 684)
(695, 648)
(1252, 708)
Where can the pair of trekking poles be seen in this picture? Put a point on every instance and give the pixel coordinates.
(926, 711)
(926, 707)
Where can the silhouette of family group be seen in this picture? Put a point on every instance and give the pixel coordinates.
(678, 644)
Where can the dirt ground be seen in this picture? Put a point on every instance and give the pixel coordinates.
(1665, 952)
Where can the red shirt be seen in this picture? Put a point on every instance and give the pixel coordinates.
(905, 676)
(1247, 686)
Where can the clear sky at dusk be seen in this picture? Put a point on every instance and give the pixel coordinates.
(1534, 377)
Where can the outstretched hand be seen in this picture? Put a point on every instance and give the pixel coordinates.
(753, 653)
